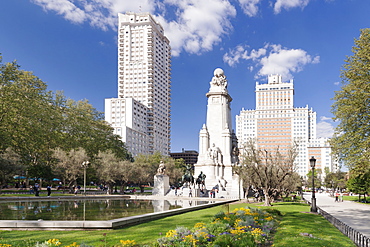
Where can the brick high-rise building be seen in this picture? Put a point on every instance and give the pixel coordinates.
(276, 124)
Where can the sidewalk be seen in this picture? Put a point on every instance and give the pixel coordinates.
(355, 215)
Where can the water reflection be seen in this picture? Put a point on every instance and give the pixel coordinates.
(106, 209)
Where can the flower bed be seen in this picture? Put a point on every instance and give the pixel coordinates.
(241, 227)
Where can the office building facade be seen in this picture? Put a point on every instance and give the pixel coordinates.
(142, 111)
(276, 124)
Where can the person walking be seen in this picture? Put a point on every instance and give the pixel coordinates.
(49, 190)
(336, 196)
(190, 192)
(36, 188)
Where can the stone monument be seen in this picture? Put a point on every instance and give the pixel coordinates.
(161, 181)
(218, 145)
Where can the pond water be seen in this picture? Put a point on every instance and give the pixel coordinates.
(84, 209)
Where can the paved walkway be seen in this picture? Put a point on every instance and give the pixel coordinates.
(355, 215)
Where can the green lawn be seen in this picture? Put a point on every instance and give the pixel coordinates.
(298, 227)
(294, 223)
(355, 199)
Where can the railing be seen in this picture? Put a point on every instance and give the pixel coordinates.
(358, 238)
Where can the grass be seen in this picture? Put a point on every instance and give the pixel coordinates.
(355, 199)
(298, 225)
(293, 222)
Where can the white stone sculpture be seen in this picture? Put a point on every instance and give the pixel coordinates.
(219, 80)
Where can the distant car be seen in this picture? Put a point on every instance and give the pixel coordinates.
(128, 191)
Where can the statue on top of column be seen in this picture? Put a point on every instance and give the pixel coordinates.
(219, 80)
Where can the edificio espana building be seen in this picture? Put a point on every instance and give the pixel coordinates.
(141, 113)
(276, 124)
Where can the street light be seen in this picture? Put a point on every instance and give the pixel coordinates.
(313, 199)
(84, 166)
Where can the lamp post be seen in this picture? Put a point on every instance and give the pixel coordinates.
(313, 199)
(84, 166)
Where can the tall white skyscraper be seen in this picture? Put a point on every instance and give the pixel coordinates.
(141, 114)
(277, 124)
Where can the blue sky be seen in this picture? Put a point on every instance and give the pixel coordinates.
(71, 45)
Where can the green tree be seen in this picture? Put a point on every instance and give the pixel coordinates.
(146, 167)
(9, 165)
(317, 177)
(359, 182)
(27, 116)
(35, 121)
(351, 108)
(335, 180)
(84, 126)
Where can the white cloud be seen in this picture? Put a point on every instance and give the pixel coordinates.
(323, 118)
(250, 7)
(240, 52)
(192, 26)
(272, 59)
(101, 14)
(288, 4)
(325, 127)
(199, 25)
(65, 8)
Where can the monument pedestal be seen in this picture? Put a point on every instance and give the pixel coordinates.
(161, 185)
(218, 145)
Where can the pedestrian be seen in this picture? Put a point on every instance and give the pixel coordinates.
(31, 189)
(190, 192)
(256, 195)
(36, 188)
(49, 190)
(76, 190)
(336, 196)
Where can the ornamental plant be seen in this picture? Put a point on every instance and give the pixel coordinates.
(242, 227)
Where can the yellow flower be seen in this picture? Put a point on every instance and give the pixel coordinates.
(257, 232)
(199, 225)
(74, 244)
(5, 245)
(237, 222)
(190, 239)
(238, 230)
(127, 243)
(54, 241)
(171, 234)
(269, 218)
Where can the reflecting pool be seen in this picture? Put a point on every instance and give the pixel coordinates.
(87, 209)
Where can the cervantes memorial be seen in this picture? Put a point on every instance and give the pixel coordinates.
(218, 145)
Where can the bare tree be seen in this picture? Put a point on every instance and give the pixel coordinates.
(267, 170)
